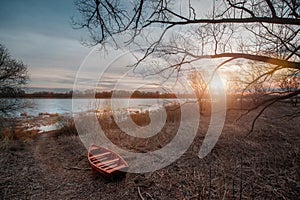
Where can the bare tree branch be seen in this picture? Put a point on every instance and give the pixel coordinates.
(264, 32)
(13, 76)
(290, 21)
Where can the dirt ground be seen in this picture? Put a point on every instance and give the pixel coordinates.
(262, 165)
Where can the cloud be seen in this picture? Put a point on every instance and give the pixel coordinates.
(50, 59)
(45, 41)
(37, 49)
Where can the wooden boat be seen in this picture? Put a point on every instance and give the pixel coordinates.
(106, 162)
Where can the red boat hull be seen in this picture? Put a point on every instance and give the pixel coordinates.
(106, 162)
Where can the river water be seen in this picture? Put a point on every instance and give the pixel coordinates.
(67, 106)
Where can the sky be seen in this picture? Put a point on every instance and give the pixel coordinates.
(40, 33)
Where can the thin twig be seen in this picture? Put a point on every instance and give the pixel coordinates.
(140, 195)
(149, 195)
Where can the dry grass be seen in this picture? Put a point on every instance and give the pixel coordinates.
(15, 131)
(68, 127)
(262, 165)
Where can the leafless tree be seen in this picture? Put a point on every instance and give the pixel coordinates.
(200, 86)
(264, 32)
(290, 83)
(13, 76)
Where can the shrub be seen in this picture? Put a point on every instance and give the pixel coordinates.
(68, 127)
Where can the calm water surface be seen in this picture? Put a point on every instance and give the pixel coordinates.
(65, 106)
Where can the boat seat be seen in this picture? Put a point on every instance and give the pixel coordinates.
(105, 163)
(100, 155)
(111, 166)
(106, 166)
(98, 160)
(116, 168)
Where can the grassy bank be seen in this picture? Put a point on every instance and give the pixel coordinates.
(262, 165)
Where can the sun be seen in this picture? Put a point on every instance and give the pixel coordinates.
(219, 83)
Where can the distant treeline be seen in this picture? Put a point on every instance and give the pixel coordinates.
(89, 94)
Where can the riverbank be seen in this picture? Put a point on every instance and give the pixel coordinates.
(262, 165)
(26, 128)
